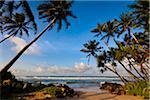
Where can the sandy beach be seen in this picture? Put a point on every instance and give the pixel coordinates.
(89, 93)
(105, 96)
(94, 93)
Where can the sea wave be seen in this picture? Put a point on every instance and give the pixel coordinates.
(67, 78)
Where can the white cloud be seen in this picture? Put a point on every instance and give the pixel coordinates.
(34, 49)
(78, 68)
(81, 67)
(53, 69)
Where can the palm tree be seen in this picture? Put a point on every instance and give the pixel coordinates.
(15, 25)
(126, 24)
(91, 48)
(7, 7)
(109, 29)
(55, 11)
(106, 30)
(105, 58)
(140, 11)
(7, 16)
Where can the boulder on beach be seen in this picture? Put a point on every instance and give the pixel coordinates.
(114, 88)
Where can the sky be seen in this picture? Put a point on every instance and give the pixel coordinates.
(58, 53)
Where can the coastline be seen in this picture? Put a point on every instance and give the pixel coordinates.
(105, 96)
(85, 93)
(94, 93)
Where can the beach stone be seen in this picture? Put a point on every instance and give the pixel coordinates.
(114, 88)
(48, 96)
(50, 85)
(7, 82)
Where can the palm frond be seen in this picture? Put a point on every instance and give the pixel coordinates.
(29, 13)
(56, 9)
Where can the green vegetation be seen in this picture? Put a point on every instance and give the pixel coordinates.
(141, 88)
(131, 52)
(53, 91)
(132, 48)
(53, 12)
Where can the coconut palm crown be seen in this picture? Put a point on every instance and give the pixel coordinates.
(16, 25)
(54, 12)
(56, 9)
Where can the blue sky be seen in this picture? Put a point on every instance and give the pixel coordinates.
(60, 51)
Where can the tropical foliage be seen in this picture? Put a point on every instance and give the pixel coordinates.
(53, 11)
(16, 18)
(130, 52)
(141, 88)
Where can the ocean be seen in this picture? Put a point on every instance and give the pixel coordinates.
(71, 81)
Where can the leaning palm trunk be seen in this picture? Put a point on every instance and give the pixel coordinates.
(133, 36)
(144, 71)
(121, 77)
(106, 44)
(5, 69)
(130, 63)
(6, 38)
(134, 76)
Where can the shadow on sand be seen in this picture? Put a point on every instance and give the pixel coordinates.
(84, 96)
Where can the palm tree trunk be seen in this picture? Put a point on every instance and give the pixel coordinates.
(5, 69)
(106, 44)
(115, 72)
(135, 69)
(147, 66)
(134, 76)
(133, 36)
(6, 38)
(144, 71)
(121, 78)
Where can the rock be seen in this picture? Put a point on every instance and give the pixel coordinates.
(18, 87)
(67, 91)
(49, 85)
(114, 88)
(7, 82)
(48, 96)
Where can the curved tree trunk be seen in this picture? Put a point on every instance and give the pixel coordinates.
(5, 69)
(115, 72)
(134, 76)
(147, 66)
(6, 38)
(136, 69)
(144, 71)
(106, 44)
(133, 36)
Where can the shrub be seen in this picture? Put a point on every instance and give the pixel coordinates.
(53, 91)
(140, 88)
(6, 76)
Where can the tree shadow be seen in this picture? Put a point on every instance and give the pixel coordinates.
(95, 94)
(110, 98)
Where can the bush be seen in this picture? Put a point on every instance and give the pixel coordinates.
(53, 91)
(6, 76)
(140, 88)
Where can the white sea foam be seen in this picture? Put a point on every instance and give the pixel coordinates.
(67, 78)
